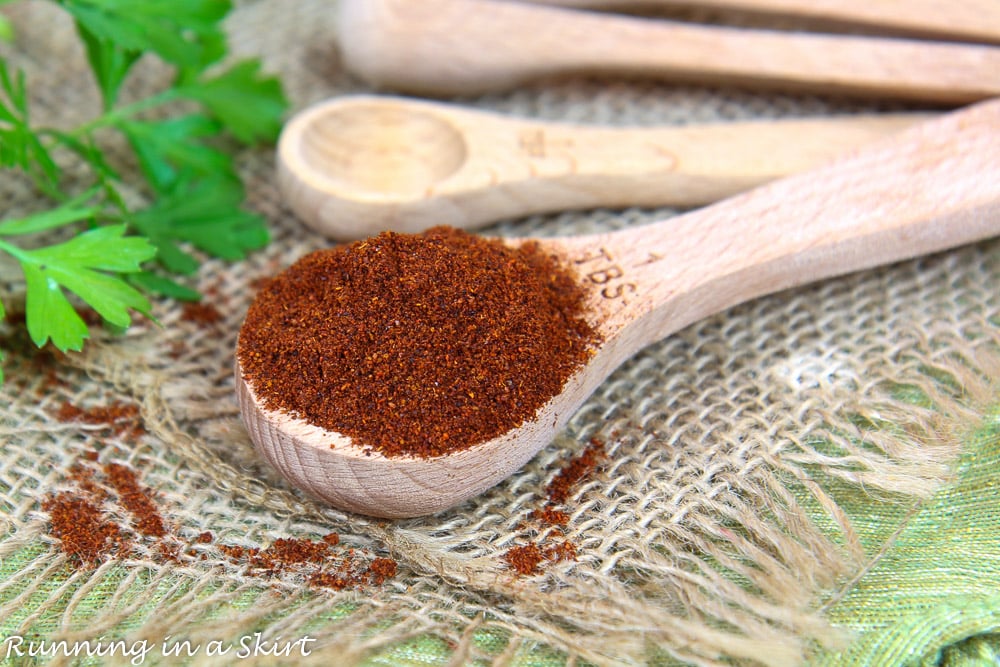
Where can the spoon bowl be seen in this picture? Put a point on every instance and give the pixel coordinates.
(932, 187)
(380, 149)
(353, 166)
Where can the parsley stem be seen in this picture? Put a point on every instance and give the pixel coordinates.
(13, 250)
(117, 115)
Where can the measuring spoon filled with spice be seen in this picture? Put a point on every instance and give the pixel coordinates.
(400, 375)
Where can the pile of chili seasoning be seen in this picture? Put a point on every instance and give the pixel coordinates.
(416, 344)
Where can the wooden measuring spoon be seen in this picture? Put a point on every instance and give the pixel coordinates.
(354, 166)
(458, 47)
(925, 189)
(965, 20)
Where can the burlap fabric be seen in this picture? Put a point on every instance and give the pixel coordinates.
(811, 476)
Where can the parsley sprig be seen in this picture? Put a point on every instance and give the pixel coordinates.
(115, 252)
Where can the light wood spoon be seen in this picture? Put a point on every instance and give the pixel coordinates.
(925, 189)
(966, 20)
(353, 166)
(463, 47)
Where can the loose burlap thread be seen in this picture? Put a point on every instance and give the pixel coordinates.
(759, 464)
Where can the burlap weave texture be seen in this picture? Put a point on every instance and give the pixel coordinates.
(760, 464)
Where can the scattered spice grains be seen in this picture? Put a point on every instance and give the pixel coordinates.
(201, 313)
(551, 516)
(80, 520)
(119, 417)
(332, 570)
(84, 534)
(135, 499)
(416, 344)
(561, 486)
(524, 559)
(382, 569)
(529, 559)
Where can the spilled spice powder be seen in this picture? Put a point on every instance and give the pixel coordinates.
(119, 417)
(560, 487)
(83, 533)
(136, 499)
(83, 476)
(289, 551)
(382, 569)
(551, 516)
(316, 558)
(525, 559)
(416, 344)
(529, 559)
(200, 313)
(564, 550)
(87, 533)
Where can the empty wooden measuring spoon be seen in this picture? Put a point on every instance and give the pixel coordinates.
(460, 47)
(353, 166)
(925, 189)
(965, 20)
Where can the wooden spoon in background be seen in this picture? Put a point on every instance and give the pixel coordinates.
(925, 189)
(445, 47)
(357, 165)
(962, 20)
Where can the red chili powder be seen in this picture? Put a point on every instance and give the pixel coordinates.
(416, 344)
(524, 559)
(135, 499)
(79, 521)
(83, 476)
(119, 417)
(527, 559)
(200, 313)
(564, 550)
(550, 515)
(381, 569)
(339, 575)
(289, 551)
(329, 569)
(560, 487)
(79, 525)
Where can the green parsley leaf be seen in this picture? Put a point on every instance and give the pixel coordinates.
(60, 216)
(83, 265)
(206, 214)
(170, 147)
(187, 33)
(249, 105)
(19, 144)
(109, 63)
(157, 284)
(196, 194)
(6, 35)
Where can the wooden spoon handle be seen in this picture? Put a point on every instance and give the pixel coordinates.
(929, 188)
(357, 165)
(965, 20)
(452, 46)
(557, 166)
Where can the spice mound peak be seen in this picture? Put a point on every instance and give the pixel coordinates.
(416, 345)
